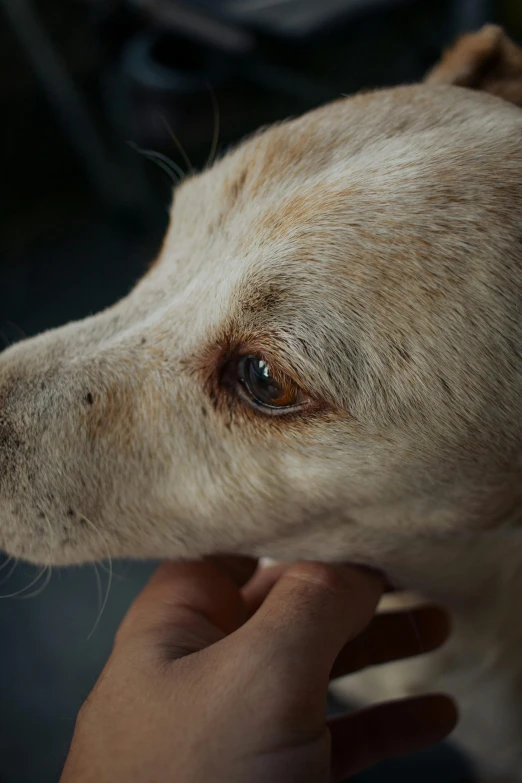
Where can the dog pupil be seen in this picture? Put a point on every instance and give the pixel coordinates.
(263, 385)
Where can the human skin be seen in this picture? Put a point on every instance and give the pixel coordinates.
(220, 672)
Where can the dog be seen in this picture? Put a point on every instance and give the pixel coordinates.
(325, 362)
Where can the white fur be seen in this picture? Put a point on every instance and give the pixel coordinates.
(384, 234)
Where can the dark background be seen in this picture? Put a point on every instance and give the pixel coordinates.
(85, 85)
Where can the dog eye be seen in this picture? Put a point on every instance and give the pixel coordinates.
(263, 389)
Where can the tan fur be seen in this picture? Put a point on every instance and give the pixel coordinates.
(371, 251)
(487, 60)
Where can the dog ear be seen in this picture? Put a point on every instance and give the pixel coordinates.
(487, 60)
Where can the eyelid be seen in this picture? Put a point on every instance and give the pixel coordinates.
(270, 410)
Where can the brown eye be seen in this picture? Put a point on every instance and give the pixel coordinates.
(256, 377)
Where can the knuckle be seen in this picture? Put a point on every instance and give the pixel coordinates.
(335, 577)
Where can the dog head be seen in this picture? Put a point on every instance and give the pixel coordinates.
(324, 361)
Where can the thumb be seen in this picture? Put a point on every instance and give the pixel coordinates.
(311, 613)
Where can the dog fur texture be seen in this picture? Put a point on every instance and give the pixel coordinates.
(371, 251)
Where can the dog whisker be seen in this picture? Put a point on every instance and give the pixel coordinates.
(215, 134)
(178, 144)
(47, 567)
(167, 165)
(109, 571)
(109, 581)
(11, 570)
(6, 562)
(40, 590)
(27, 587)
(98, 585)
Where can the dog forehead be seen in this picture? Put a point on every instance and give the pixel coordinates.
(358, 197)
(379, 141)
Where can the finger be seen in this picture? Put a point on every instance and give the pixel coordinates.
(387, 730)
(394, 635)
(187, 605)
(258, 587)
(310, 613)
(240, 569)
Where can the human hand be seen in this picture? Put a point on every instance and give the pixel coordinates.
(218, 675)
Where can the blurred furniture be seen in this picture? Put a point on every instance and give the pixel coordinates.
(178, 49)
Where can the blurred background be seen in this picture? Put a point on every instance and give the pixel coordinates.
(104, 104)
